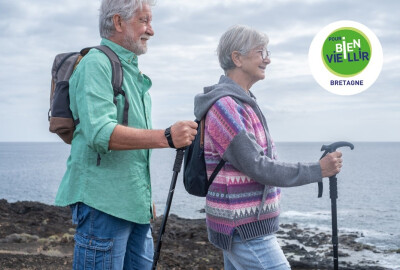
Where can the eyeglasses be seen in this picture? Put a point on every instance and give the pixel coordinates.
(265, 54)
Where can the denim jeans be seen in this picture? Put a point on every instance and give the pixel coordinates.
(106, 242)
(260, 253)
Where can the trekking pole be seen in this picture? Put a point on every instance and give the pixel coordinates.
(176, 169)
(333, 195)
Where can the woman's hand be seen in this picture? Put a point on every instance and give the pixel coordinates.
(331, 164)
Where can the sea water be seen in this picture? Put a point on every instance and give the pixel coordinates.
(368, 186)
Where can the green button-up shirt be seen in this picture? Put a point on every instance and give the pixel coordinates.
(120, 185)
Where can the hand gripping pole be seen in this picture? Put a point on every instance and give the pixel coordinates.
(330, 149)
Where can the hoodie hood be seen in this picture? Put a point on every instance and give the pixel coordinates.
(225, 87)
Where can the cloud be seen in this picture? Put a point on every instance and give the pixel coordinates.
(181, 60)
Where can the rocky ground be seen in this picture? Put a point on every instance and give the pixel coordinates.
(39, 236)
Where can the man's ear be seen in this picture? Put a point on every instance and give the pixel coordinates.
(117, 23)
(236, 58)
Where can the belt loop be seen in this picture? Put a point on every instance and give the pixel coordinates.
(74, 209)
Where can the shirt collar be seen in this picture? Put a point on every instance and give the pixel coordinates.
(122, 53)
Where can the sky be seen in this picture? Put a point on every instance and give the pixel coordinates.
(181, 60)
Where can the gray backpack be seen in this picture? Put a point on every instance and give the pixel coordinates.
(60, 115)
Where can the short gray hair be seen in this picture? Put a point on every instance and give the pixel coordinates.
(125, 8)
(239, 38)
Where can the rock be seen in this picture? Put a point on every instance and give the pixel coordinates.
(67, 238)
(48, 229)
(20, 238)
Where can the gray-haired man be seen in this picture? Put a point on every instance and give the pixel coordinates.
(109, 190)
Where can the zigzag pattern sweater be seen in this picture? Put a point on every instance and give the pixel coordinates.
(245, 195)
(233, 200)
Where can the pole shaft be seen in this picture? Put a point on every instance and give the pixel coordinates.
(176, 170)
(335, 239)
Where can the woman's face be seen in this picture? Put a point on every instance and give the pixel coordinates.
(254, 65)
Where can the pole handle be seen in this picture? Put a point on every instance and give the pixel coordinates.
(330, 149)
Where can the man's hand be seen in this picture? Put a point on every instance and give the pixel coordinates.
(331, 164)
(183, 133)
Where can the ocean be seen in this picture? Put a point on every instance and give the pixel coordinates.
(368, 187)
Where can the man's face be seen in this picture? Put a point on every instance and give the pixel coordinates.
(138, 30)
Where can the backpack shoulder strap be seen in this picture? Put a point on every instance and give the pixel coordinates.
(201, 127)
(117, 72)
(221, 163)
(216, 171)
(117, 76)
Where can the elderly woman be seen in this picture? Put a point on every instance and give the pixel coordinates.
(242, 203)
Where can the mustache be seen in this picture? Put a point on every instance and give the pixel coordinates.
(147, 37)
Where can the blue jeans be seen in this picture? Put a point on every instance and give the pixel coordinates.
(260, 253)
(106, 242)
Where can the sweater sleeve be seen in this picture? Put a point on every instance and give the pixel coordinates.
(230, 131)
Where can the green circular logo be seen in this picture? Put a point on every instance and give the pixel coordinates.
(346, 52)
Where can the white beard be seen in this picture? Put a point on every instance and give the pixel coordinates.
(134, 46)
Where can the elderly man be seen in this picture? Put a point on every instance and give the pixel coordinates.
(109, 191)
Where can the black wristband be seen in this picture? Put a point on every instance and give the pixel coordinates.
(167, 134)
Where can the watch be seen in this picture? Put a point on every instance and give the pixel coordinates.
(167, 134)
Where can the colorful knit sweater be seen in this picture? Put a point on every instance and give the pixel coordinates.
(245, 195)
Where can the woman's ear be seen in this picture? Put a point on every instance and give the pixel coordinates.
(236, 58)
